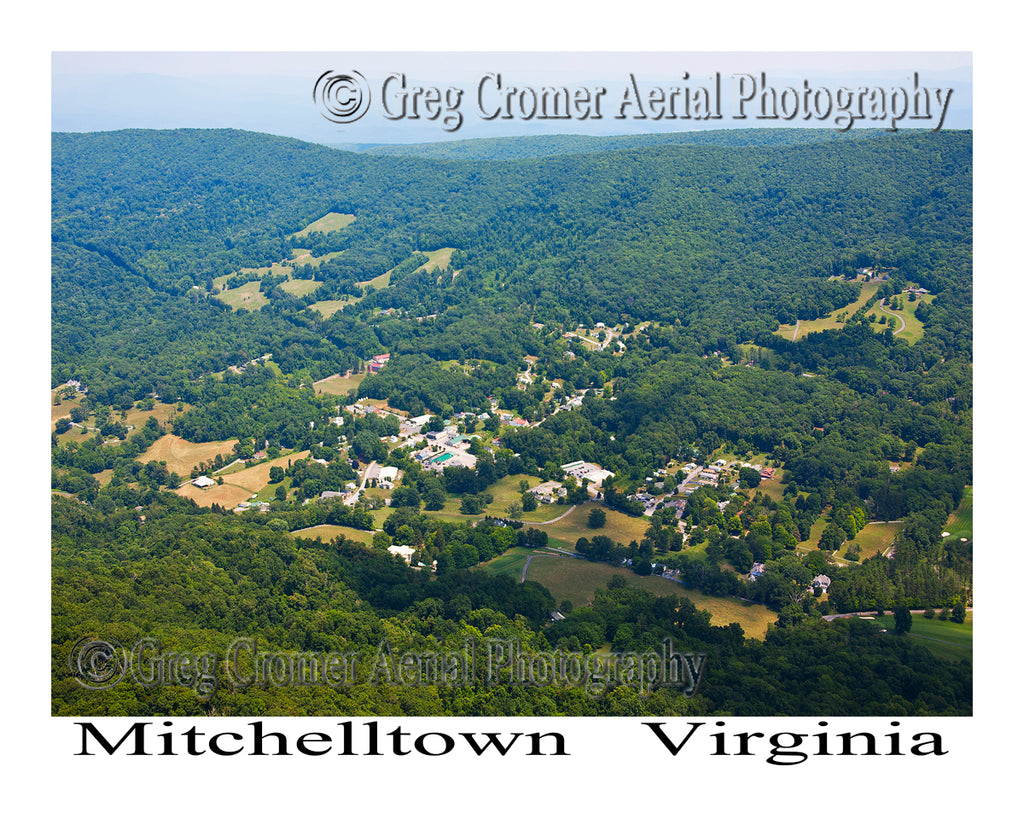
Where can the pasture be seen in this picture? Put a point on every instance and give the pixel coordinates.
(326, 224)
(329, 307)
(619, 527)
(181, 455)
(299, 287)
(339, 384)
(795, 332)
(944, 638)
(873, 539)
(245, 297)
(238, 486)
(961, 522)
(326, 532)
(577, 580)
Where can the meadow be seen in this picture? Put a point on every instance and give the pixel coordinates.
(944, 638)
(326, 224)
(577, 580)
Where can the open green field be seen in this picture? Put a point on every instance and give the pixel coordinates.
(831, 321)
(619, 527)
(961, 522)
(873, 539)
(816, 529)
(510, 563)
(339, 384)
(944, 638)
(301, 256)
(300, 287)
(576, 580)
(326, 224)
(438, 258)
(378, 282)
(329, 307)
(914, 330)
(246, 297)
(327, 533)
(181, 455)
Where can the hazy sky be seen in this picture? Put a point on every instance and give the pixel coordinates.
(272, 91)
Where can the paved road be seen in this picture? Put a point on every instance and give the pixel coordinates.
(351, 499)
(903, 324)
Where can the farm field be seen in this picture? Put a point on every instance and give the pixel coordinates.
(831, 321)
(300, 287)
(245, 297)
(944, 638)
(914, 329)
(619, 527)
(873, 539)
(181, 455)
(510, 563)
(326, 224)
(576, 580)
(301, 256)
(237, 486)
(329, 307)
(961, 522)
(438, 258)
(326, 532)
(339, 384)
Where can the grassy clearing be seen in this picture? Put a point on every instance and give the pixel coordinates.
(816, 529)
(339, 384)
(914, 330)
(438, 258)
(327, 533)
(831, 321)
(961, 522)
(329, 307)
(944, 638)
(181, 455)
(874, 539)
(326, 224)
(378, 282)
(576, 580)
(238, 486)
(164, 413)
(301, 256)
(300, 287)
(619, 527)
(246, 297)
(510, 563)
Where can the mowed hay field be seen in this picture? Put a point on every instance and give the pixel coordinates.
(327, 533)
(576, 580)
(874, 539)
(238, 486)
(326, 224)
(246, 297)
(181, 455)
(619, 527)
(829, 322)
(339, 384)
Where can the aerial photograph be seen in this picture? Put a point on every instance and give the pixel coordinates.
(511, 385)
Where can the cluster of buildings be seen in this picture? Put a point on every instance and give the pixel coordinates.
(583, 471)
(377, 363)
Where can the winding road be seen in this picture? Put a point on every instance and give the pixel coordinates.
(903, 324)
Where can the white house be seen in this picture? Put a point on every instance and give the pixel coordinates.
(405, 552)
(203, 481)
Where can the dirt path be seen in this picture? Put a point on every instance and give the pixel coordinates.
(796, 330)
(526, 566)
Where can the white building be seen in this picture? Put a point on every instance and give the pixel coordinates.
(203, 481)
